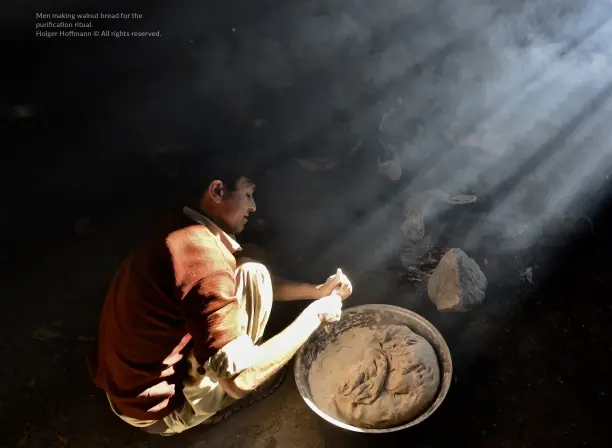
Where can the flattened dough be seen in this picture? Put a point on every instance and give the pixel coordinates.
(376, 378)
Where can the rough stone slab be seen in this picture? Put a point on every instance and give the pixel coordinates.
(458, 283)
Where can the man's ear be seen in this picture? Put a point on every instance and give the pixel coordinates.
(216, 191)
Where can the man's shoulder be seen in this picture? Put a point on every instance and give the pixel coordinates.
(193, 237)
(196, 253)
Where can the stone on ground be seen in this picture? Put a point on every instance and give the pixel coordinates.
(413, 227)
(390, 169)
(458, 283)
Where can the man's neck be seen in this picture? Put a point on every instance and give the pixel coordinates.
(226, 238)
(210, 217)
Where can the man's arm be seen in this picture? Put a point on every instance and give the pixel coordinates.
(275, 353)
(271, 356)
(286, 290)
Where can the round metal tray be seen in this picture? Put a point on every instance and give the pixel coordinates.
(373, 316)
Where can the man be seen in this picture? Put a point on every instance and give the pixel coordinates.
(180, 333)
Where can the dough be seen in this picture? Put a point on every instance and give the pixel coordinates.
(376, 378)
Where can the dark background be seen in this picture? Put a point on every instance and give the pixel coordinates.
(102, 136)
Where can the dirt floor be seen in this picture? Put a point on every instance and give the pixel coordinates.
(508, 100)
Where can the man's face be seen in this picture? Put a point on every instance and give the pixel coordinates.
(234, 208)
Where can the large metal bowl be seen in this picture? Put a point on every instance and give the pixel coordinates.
(372, 316)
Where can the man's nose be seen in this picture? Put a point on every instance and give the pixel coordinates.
(252, 206)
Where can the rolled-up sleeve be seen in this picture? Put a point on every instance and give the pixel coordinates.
(232, 359)
(217, 324)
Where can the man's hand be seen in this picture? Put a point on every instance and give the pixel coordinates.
(327, 309)
(276, 352)
(338, 283)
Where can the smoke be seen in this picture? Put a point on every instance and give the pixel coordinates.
(509, 102)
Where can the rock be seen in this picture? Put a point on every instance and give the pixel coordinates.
(413, 226)
(390, 169)
(457, 284)
(527, 274)
(461, 199)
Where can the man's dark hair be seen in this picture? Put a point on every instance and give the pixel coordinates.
(202, 173)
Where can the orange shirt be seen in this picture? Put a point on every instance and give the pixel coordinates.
(174, 293)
